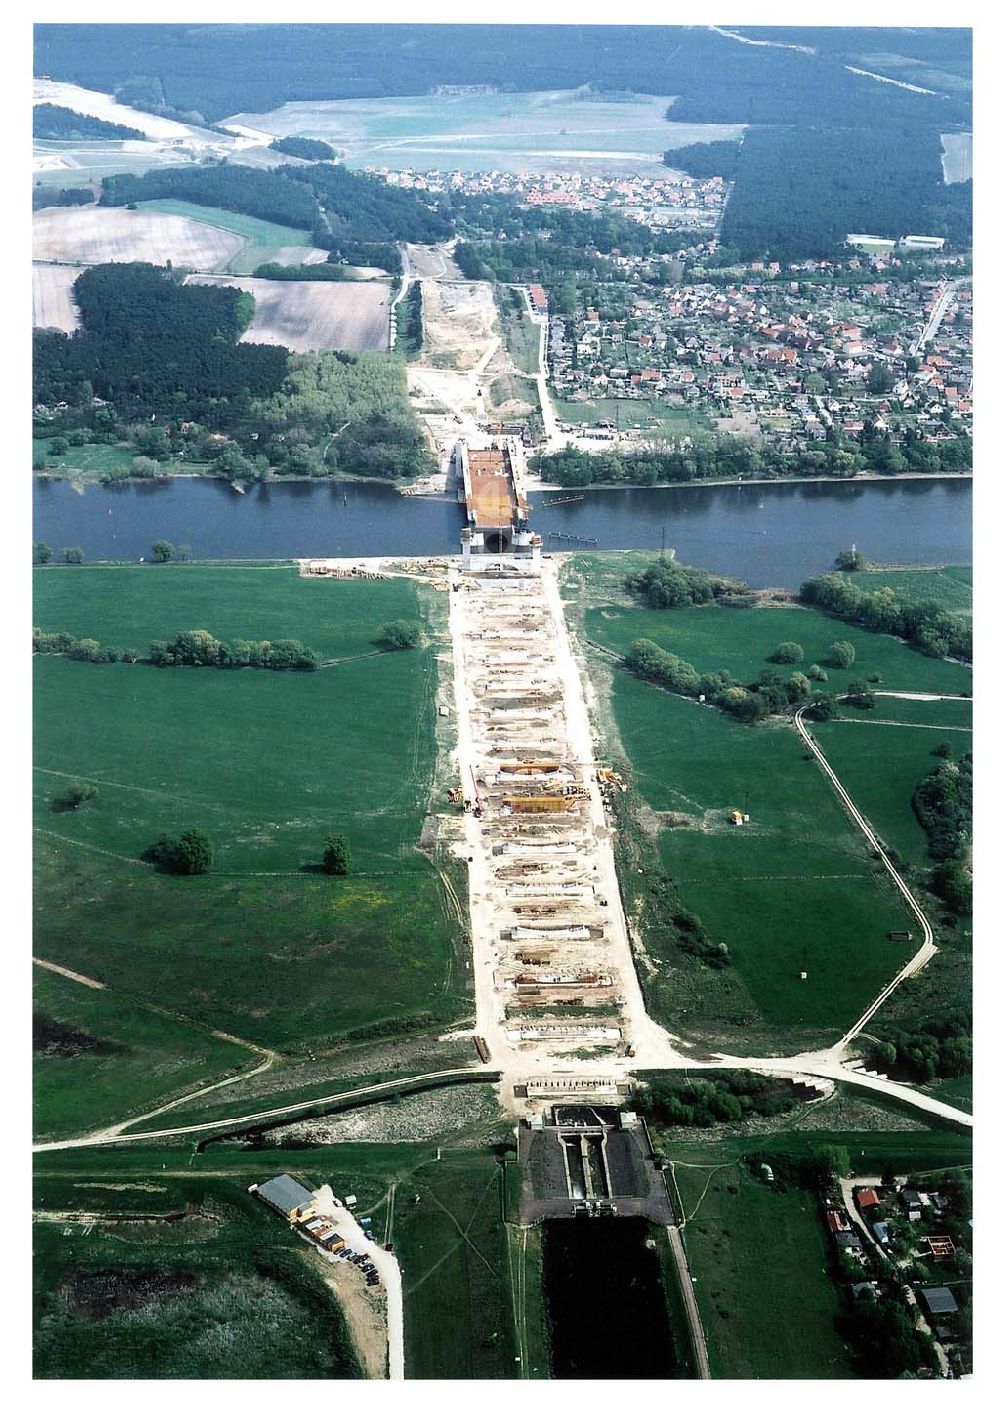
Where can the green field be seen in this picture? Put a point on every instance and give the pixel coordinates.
(794, 890)
(657, 418)
(718, 638)
(267, 763)
(452, 1248)
(123, 1056)
(767, 1303)
(89, 463)
(263, 237)
(227, 1291)
(880, 766)
(951, 587)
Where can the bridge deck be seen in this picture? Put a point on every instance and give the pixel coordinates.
(491, 500)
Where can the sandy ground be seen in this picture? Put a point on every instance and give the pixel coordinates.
(364, 1312)
(307, 317)
(433, 261)
(52, 303)
(529, 650)
(390, 1296)
(102, 235)
(460, 324)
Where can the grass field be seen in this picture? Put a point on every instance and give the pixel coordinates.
(880, 766)
(759, 1256)
(655, 418)
(127, 1056)
(452, 1248)
(794, 890)
(718, 638)
(950, 586)
(263, 240)
(261, 947)
(88, 463)
(225, 1292)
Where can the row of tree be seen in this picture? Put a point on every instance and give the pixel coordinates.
(728, 457)
(191, 648)
(50, 123)
(926, 624)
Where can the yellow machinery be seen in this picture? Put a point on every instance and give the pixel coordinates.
(541, 803)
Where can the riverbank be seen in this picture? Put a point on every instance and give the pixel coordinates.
(427, 487)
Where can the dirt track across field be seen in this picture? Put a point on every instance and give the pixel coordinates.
(308, 316)
(103, 235)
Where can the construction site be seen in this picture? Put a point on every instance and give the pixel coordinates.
(557, 998)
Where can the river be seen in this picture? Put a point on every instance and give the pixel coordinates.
(771, 535)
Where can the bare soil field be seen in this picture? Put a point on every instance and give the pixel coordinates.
(461, 324)
(956, 156)
(101, 235)
(433, 262)
(52, 303)
(310, 317)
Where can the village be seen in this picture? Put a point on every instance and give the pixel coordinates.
(778, 359)
(891, 1235)
(672, 200)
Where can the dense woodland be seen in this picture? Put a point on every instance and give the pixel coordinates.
(704, 159)
(168, 373)
(268, 195)
(309, 149)
(222, 70)
(54, 124)
(888, 181)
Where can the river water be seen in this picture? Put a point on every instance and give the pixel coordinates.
(770, 535)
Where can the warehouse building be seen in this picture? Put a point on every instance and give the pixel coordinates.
(284, 1194)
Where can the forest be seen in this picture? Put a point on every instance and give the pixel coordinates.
(54, 124)
(704, 159)
(151, 346)
(220, 70)
(800, 190)
(169, 376)
(268, 195)
(357, 210)
(310, 149)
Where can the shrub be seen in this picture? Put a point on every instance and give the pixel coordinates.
(787, 653)
(841, 655)
(337, 855)
(188, 854)
(399, 636)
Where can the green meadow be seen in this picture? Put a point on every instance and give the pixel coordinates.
(263, 237)
(792, 891)
(716, 638)
(265, 946)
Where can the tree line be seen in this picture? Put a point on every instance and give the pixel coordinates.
(925, 624)
(728, 457)
(943, 804)
(686, 1100)
(51, 123)
(190, 648)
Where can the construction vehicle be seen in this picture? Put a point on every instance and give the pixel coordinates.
(455, 796)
